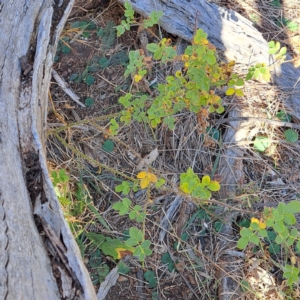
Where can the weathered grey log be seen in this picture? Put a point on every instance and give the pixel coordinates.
(25, 268)
(228, 31)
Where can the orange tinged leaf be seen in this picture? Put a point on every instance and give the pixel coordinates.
(123, 252)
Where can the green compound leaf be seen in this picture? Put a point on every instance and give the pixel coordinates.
(160, 182)
(254, 226)
(239, 92)
(290, 241)
(289, 219)
(274, 248)
(283, 116)
(123, 268)
(261, 143)
(298, 247)
(108, 146)
(293, 207)
(150, 278)
(214, 186)
(271, 235)
(246, 232)
(136, 234)
(206, 180)
(263, 233)
(270, 222)
(152, 47)
(276, 3)
(166, 259)
(291, 136)
(89, 80)
(291, 273)
(240, 82)
(230, 91)
(109, 246)
(242, 243)
(281, 208)
(103, 62)
(292, 26)
(254, 239)
(277, 215)
(89, 102)
(294, 233)
(279, 227)
(122, 206)
(279, 239)
(124, 187)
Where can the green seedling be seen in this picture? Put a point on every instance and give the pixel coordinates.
(166, 259)
(135, 213)
(151, 279)
(123, 268)
(290, 24)
(84, 26)
(261, 143)
(191, 184)
(278, 52)
(152, 20)
(291, 136)
(259, 72)
(107, 35)
(141, 246)
(108, 146)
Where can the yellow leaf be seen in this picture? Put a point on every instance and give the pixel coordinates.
(185, 187)
(152, 177)
(145, 182)
(206, 180)
(293, 260)
(230, 91)
(239, 92)
(178, 74)
(254, 220)
(137, 78)
(262, 225)
(141, 175)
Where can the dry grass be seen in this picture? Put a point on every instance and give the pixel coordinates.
(76, 136)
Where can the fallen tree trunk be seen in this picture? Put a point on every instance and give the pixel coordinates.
(32, 227)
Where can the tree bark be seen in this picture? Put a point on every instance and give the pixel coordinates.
(31, 222)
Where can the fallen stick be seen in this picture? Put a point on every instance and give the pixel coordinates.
(66, 89)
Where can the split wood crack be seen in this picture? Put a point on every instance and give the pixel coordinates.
(262, 120)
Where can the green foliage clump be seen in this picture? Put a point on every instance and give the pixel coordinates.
(192, 88)
(129, 19)
(190, 183)
(282, 232)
